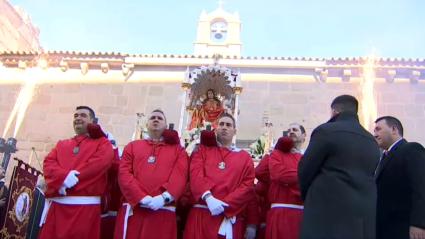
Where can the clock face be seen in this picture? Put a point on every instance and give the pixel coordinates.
(219, 31)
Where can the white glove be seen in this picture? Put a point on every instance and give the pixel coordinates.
(71, 179)
(250, 232)
(157, 202)
(62, 191)
(215, 205)
(146, 200)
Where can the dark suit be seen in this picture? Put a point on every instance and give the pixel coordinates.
(35, 214)
(401, 191)
(4, 194)
(336, 176)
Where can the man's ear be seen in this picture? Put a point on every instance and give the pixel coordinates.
(335, 112)
(394, 130)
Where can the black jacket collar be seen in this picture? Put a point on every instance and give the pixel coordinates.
(397, 145)
(344, 116)
(389, 156)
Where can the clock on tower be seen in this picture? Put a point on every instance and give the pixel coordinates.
(218, 34)
(218, 31)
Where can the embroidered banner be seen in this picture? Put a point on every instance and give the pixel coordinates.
(22, 184)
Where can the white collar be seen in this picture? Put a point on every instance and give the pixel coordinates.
(235, 149)
(295, 150)
(231, 148)
(40, 190)
(147, 137)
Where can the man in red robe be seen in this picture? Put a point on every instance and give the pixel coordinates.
(297, 133)
(285, 215)
(152, 176)
(111, 200)
(221, 181)
(261, 189)
(251, 217)
(76, 176)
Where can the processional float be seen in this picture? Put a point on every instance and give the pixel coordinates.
(208, 91)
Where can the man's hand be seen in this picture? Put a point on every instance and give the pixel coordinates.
(145, 201)
(2, 202)
(250, 231)
(416, 233)
(71, 179)
(157, 202)
(215, 205)
(62, 191)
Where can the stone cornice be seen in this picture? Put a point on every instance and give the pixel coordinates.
(340, 61)
(320, 68)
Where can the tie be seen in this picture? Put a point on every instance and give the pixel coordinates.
(381, 163)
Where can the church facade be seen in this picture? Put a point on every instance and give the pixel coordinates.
(272, 92)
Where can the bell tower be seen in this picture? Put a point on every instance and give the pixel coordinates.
(218, 33)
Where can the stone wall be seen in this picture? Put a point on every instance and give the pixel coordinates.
(17, 33)
(49, 117)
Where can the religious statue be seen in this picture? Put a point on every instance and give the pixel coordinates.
(197, 120)
(141, 130)
(267, 132)
(209, 111)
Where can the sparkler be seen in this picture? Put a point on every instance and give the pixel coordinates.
(31, 77)
(368, 99)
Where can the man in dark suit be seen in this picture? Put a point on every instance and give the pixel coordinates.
(400, 177)
(4, 194)
(336, 176)
(36, 209)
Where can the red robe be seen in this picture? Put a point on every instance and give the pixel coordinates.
(92, 161)
(262, 172)
(251, 214)
(184, 204)
(111, 200)
(233, 185)
(262, 188)
(139, 178)
(284, 222)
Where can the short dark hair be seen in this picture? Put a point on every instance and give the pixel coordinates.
(160, 111)
(345, 103)
(229, 116)
(301, 127)
(392, 121)
(211, 89)
(91, 111)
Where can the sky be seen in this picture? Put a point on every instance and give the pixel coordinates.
(283, 28)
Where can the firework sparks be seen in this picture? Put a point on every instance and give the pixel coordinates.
(368, 100)
(25, 96)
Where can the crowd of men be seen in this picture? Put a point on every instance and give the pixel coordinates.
(347, 184)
